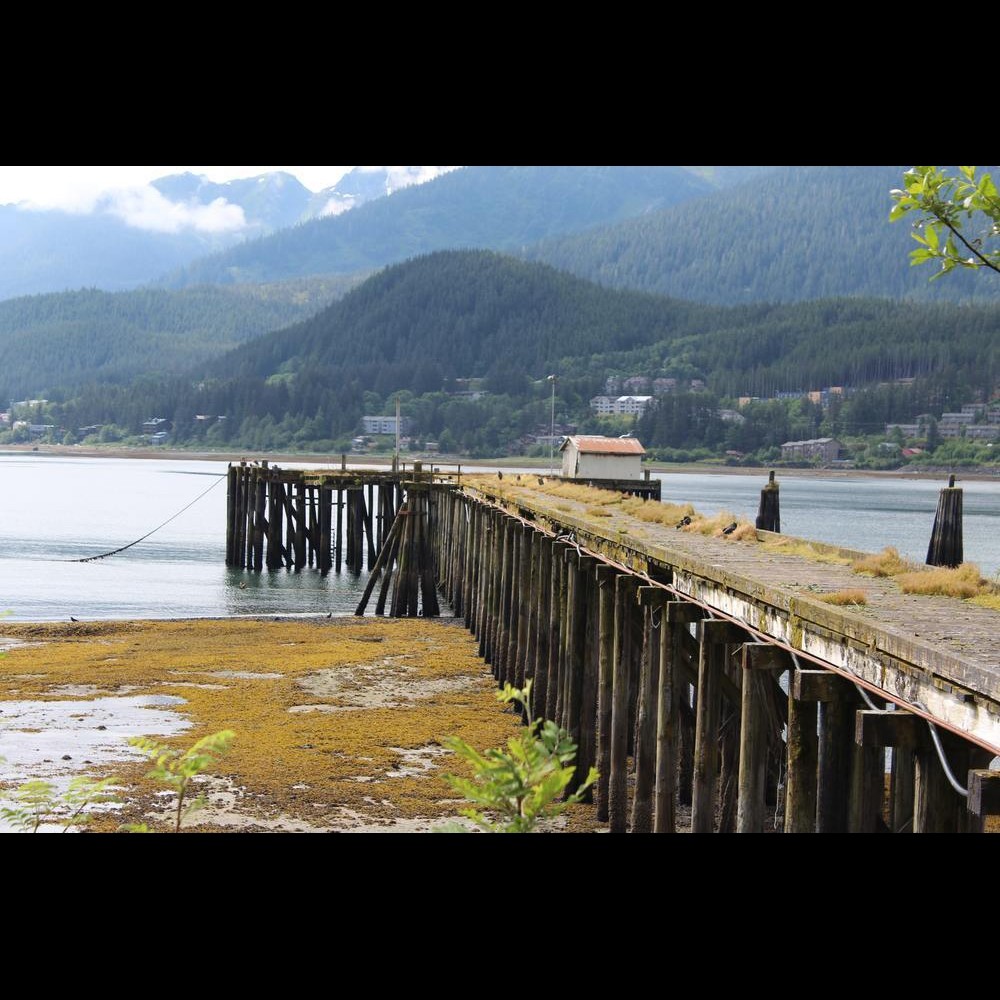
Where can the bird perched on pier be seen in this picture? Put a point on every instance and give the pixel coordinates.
(729, 529)
(683, 522)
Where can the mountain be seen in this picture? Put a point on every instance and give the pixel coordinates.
(500, 208)
(269, 202)
(60, 342)
(130, 238)
(788, 235)
(364, 184)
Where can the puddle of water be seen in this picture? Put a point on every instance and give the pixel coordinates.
(35, 736)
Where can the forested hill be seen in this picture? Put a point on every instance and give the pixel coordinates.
(471, 313)
(502, 208)
(417, 326)
(457, 314)
(63, 340)
(794, 234)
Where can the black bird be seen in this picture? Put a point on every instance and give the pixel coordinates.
(518, 478)
(541, 482)
(729, 529)
(683, 522)
(72, 619)
(499, 475)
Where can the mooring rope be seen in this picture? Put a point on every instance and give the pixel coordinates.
(114, 552)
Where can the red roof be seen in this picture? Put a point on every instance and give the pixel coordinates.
(605, 445)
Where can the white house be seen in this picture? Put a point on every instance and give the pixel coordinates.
(601, 458)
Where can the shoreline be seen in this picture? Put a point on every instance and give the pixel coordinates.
(452, 462)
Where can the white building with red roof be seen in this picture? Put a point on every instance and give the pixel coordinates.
(587, 457)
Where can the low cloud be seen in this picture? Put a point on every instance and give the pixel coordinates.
(337, 205)
(145, 208)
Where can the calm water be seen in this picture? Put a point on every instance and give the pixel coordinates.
(54, 509)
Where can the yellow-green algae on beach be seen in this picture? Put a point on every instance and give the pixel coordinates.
(339, 722)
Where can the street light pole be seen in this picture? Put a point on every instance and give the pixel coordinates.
(552, 427)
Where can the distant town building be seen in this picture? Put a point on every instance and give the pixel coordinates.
(386, 425)
(636, 383)
(634, 405)
(155, 425)
(825, 449)
(591, 457)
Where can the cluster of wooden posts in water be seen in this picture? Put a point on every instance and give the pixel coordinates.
(296, 519)
(689, 719)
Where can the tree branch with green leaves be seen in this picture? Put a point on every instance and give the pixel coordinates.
(957, 218)
(511, 791)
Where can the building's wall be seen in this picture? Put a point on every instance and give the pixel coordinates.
(591, 466)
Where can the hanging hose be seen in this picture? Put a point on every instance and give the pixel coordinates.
(115, 552)
(961, 789)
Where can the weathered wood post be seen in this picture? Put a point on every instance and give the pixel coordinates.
(769, 513)
(526, 658)
(544, 590)
(984, 794)
(651, 600)
(758, 661)
(801, 781)
(625, 586)
(675, 615)
(231, 491)
(259, 519)
(713, 635)
(945, 547)
(325, 500)
(606, 577)
(836, 744)
(300, 527)
(938, 808)
(904, 733)
(557, 604)
(580, 569)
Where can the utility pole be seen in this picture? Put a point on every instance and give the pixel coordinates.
(552, 427)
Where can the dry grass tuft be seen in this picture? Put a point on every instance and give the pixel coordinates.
(991, 601)
(598, 512)
(794, 547)
(964, 581)
(888, 562)
(844, 597)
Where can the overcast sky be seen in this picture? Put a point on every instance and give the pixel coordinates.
(76, 188)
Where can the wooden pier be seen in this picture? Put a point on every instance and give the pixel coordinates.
(704, 678)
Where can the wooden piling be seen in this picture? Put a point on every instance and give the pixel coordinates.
(526, 668)
(651, 601)
(605, 673)
(769, 513)
(945, 548)
(836, 739)
(580, 569)
(544, 597)
(758, 661)
(323, 554)
(801, 780)
(618, 764)
(556, 604)
(712, 638)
